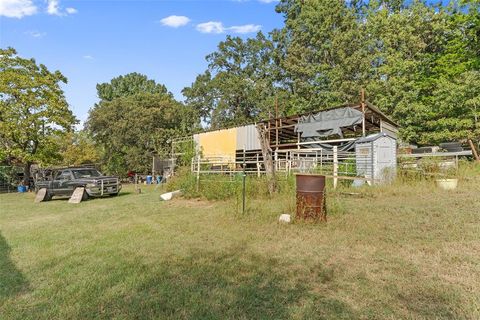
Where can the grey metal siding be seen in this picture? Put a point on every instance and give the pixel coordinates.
(247, 137)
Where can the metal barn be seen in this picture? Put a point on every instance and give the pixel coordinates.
(321, 141)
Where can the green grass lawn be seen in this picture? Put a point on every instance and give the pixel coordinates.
(407, 251)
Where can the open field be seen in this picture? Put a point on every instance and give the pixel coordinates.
(404, 251)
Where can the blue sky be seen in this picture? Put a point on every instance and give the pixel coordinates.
(92, 41)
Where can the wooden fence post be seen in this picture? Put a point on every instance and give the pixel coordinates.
(258, 166)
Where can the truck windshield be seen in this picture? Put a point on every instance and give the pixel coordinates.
(86, 173)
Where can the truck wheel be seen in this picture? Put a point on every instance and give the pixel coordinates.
(48, 196)
(113, 194)
(85, 195)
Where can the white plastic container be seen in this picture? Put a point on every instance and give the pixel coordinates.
(170, 195)
(285, 218)
(447, 184)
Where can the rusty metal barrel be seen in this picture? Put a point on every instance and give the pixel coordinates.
(311, 197)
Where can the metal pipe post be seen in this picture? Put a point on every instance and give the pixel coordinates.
(244, 176)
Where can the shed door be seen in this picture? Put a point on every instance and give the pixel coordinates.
(384, 154)
(385, 151)
(385, 158)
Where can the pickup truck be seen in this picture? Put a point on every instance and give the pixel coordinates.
(62, 182)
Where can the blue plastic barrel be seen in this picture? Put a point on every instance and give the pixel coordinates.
(22, 188)
(149, 179)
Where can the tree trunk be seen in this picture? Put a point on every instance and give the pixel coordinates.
(474, 150)
(267, 157)
(26, 173)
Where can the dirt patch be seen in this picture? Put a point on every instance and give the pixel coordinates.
(190, 203)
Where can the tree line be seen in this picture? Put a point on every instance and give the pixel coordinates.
(418, 62)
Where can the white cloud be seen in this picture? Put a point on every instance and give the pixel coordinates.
(88, 57)
(36, 34)
(175, 21)
(218, 27)
(247, 28)
(17, 8)
(54, 8)
(211, 27)
(22, 8)
(71, 10)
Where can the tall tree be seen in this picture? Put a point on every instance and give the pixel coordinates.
(127, 85)
(453, 101)
(402, 52)
(239, 85)
(323, 53)
(456, 113)
(78, 149)
(131, 127)
(33, 110)
(406, 54)
(403, 43)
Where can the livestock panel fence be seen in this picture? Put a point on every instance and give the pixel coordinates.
(332, 163)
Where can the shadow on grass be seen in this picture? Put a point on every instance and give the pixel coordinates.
(123, 193)
(431, 302)
(12, 280)
(226, 285)
(212, 285)
(58, 198)
(63, 198)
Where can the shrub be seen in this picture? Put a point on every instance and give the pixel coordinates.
(223, 186)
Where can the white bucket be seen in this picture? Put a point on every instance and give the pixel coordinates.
(447, 184)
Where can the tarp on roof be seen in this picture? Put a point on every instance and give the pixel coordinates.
(327, 123)
(346, 146)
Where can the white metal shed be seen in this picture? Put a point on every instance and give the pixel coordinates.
(376, 157)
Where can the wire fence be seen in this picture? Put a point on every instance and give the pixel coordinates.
(9, 179)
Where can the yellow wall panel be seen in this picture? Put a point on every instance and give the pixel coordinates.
(220, 143)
